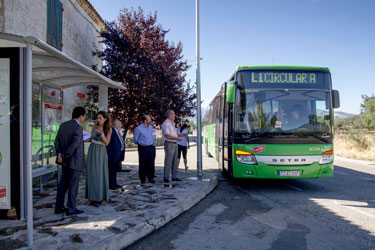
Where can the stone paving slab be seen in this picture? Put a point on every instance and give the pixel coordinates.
(131, 214)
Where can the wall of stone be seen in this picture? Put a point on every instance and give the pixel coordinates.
(80, 33)
(26, 18)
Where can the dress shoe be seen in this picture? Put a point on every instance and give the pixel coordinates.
(116, 187)
(143, 182)
(152, 181)
(166, 180)
(94, 204)
(176, 179)
(74, 211)
(60, 210)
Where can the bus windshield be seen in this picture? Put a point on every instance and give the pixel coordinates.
(283, 113)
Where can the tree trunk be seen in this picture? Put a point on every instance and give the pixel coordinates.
(126, 128)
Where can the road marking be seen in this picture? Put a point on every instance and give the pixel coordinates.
(259, 197)
(363, 178)
(367, 179)
(295, 188)
(339, 172)
(355, 209)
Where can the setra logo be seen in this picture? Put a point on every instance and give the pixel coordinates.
(290, 160)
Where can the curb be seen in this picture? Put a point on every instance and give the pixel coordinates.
(121, 241)
(366, 163)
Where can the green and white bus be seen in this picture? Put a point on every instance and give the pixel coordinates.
(273, 122)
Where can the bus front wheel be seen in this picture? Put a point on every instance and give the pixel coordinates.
(225, 172)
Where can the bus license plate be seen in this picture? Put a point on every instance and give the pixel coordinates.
(289, 173)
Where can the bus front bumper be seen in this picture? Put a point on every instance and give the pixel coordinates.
(261, 170)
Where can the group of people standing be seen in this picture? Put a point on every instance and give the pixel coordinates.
(104, 159)
(175, 142)
(106, 153)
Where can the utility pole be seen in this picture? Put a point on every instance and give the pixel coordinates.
(198, 80)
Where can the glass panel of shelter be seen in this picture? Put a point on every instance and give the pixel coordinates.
(47, 117)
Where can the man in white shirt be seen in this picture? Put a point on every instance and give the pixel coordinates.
(170, 138)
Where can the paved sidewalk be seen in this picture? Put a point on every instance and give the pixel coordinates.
(131, 214)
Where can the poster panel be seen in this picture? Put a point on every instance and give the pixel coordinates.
(5, 117)
(52, 114)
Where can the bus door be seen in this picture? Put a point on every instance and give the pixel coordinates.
(227, 119)
(219, 132)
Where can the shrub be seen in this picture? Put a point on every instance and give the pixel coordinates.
(130, 144)
(360, 139)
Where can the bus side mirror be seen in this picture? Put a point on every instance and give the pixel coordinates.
(335, 99)
(231, 93)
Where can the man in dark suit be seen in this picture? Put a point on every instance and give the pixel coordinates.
(70, 154)
(115, 150)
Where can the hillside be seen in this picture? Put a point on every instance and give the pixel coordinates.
(341, 114)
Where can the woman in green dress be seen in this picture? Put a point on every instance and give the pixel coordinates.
(97, 187)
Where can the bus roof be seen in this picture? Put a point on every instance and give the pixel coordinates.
(282, 67)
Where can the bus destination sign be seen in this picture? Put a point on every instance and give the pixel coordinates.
(284, 77)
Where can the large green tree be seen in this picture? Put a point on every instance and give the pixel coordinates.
(351, 122)
(137, 54)
(368, 111)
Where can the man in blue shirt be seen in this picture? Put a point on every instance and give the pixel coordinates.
(144, 136)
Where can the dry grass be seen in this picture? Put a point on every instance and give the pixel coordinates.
(359, 145)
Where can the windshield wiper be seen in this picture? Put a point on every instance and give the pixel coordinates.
(318, 137)
(254, 137)
(251, 139)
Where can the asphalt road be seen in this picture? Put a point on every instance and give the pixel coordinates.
(333, 213)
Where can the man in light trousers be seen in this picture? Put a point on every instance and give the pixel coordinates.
(170, 138)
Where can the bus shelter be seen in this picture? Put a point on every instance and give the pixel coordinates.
(30, 67)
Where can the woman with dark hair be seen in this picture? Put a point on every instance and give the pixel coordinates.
(97, 187)
(183, 145)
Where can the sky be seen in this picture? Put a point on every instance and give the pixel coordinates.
(338, 34)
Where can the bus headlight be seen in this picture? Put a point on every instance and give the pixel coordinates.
(245, 157)
(327, 157)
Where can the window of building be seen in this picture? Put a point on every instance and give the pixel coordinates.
(54, 23)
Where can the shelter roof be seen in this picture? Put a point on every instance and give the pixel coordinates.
(54, 68)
